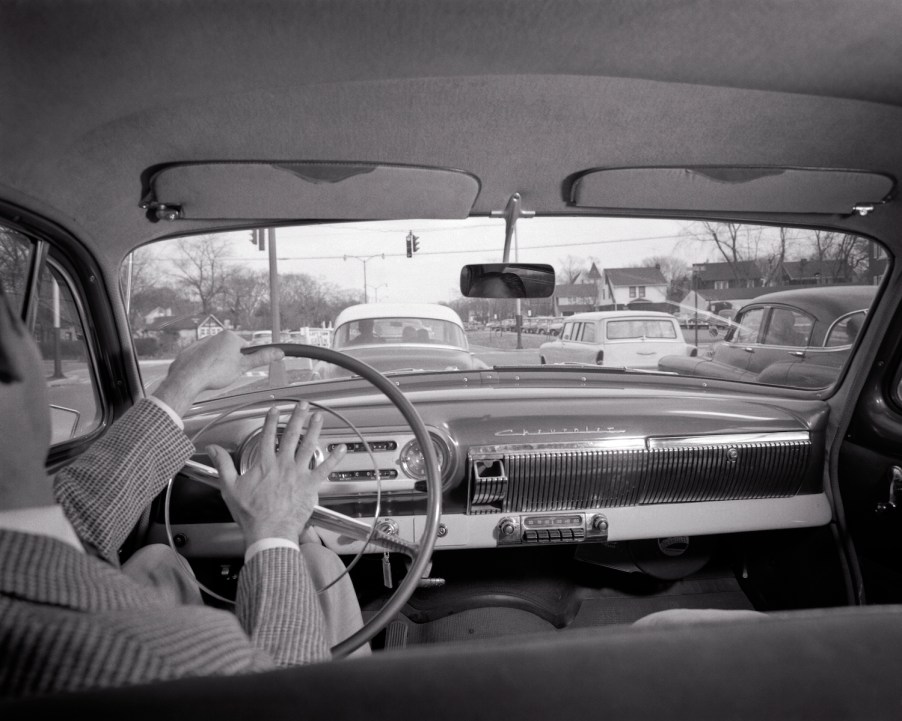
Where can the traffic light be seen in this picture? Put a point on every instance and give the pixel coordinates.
(258, 238)
(413, 244)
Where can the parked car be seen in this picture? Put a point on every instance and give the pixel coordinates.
(620, 338)
(799, 337)
(691, 320)
(396, 337)
(388, 144)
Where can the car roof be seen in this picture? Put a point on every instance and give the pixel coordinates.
(824, 303)
(96, 95)
(620, 315)
(397, 310)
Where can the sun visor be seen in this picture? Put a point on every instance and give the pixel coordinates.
(731, 189)
(305, 190)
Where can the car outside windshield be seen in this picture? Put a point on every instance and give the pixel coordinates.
(300, 278)
(398, 330)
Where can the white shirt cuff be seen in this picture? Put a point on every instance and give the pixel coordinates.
(163, 406)
(264, 544)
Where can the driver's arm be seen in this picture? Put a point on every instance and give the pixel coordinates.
(105, 490)
(272, 502)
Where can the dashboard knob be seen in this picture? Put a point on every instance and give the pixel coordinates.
(507, 527)
(387, 526)
(600, 523)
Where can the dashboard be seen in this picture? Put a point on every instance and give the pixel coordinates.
(526, 465)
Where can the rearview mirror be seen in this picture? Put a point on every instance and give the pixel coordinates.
(507, 280)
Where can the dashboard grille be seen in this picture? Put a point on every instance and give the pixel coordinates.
(558, 477)
(562, 481)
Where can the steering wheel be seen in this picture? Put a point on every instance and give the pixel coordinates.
(421, 552)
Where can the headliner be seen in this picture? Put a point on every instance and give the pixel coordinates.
(521, 93)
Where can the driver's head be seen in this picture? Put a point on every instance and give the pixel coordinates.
(366, 326)
(24, 413)
(783, 322)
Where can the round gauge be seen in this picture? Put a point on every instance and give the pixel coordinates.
(413, 462)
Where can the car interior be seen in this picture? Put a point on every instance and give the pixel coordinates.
(507, 525)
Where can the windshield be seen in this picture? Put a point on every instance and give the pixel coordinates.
(388, 292)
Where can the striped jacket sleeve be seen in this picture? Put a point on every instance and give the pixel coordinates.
(278, 608)
(104, 491)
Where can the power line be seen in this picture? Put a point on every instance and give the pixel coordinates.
(671, 236)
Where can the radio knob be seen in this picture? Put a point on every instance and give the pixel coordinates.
(507, 527)
(600, 523)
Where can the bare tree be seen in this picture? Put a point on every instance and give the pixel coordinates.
(675, 271)
(772, 263)
(309, 302)
(138, 278)
(15, 255)
(245, 294)
(842, 257)
(570, 268)
(203, 270)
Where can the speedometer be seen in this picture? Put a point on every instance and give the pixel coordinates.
(413, 462)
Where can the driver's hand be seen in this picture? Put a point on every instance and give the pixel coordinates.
(276, 496)
(212, 363)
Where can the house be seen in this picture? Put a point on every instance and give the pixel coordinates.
(157, 313)
(177, 332)
(816, 272)
(721, 276)
(636, 288)
(570, 298)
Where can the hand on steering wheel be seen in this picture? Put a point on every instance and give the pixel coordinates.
(420, 552)
(276, 496)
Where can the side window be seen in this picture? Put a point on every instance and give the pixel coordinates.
(567, 331)
(788, 327)
(59, 332)
(15, 263)
(749, 326)
(589, 333)
(845, 330)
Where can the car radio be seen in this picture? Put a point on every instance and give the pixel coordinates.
(552, 528)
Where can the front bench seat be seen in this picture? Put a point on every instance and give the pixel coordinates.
(830, 664)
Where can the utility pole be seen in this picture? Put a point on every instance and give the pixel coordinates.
(57, 361)
(278, 376)
(365, 260)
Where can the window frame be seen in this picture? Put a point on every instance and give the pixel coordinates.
(92, 359)
(117, 385)
(734, 331)
(842, 319)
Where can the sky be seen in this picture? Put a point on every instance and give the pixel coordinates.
(339, 253)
